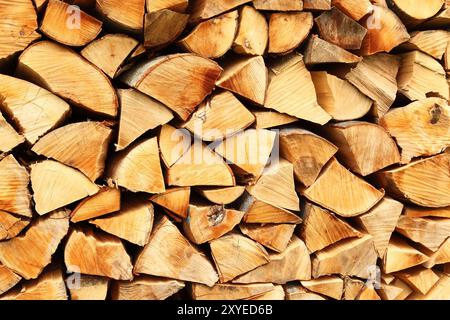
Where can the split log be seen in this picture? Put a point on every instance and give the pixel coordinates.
(10, 137)
(246, 77)
(355, 9)
(440, 256)
(355, 195)
(18, 26)
(306, 151)
(110, 52)
(273, 236)
(175, 5)
(253, 32)
(214, 37)
(28, 254)
(8, 279)
(431, 42)
(385, 31)
(335, 259)
(413, 13)
(235, 255)
(352, 288)
(287, 30)
(230, 291)
(375, 76)
(292, 264)
(33, 117)
(176, 200)
(169, 254)
(219, 116)
(138, 168)
(248, 152)
(316, 5)
(400, 256)
(337, 28)
(11, 226)
(321, 228)
(68, 75)
(139, 114)
(145, 288)
(258, 211)
(14, 194)
(420, 128)
(423, 182)
(205, 223)
(82, 145)
(340, 98)
(56, 185)
(364, 147)
(278, 5)
(441, 20)
(421, 76)
(265, 119)
(330, 286)
(222, 196)
(49, 286)
(88, 288)
(440, 291)
(401, 290)
(420, 212)
(200, 166)
(419, 278)
(59, 25)
(163, 27)
(205, 9)
(276, 294)
(177, 71)
(298, 292)
(97, 254)
(133, 222)
(129, 18)
(291, 90)
(380, 222)
(173, 144)
(107, 200)
(368, 293)
(320, 51)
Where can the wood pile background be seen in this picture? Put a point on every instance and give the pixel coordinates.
(224, 149)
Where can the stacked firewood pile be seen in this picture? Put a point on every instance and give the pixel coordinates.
(224, 149)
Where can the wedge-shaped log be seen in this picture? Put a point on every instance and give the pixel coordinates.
(273, 236)
(133, 222)
(145, 288)
(229, 291)
(330, 286)
(431, 42)
(336, 259)
(247, 41)
(364, 147)
(419, 278)
(30, 253)
(18, 26)
(205, 9)
(225, 195)
(98, 254)
(352, 288)
(163, 27)
(268, 119)
(88, 288)
(278, 5)
(107, 200)
(8, 279)
(355, 9)
(354, 198)
(276, 294)
(214, 37)
(235, 254)
(247, 77)
(419, 212)
(321, 228)
(376, 77)
(220, 116)
(287, 30)
(291, 90)
(292, 264)
(317, 5)
(14, 194)
(368, 293)
(385, 31)
(177, 71)
(129, 18)
(138, 168)
(440, 291)
(176, 5)
(205, 223)
(423, 182)
(420, 128)
(200, 166)
(395, 291)
(414, 13)
(380, 222)
(420, 75)
(68, 75)
(169, 254)
(298, 292)
(173, 143)
(11, 226)
(440, 256)
(10, 137)
(306, 151)
(56, 185)
(400, 256)
(176, 200)
(57, 24)
(320, 51)
(82, 145)
(33, 117)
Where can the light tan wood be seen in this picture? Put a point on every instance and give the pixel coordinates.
(298, 292)
(10, 137)
(400, 256)
(96, 253)
(169, 254)
(204, 9)
(129, 17)
(162, 27)
(146, 288)
(229, 291)
(292, 264)
(107, 200)
(205, 223)
(265, 119)
(320, 51)
(176, 71)
(316, 5)
(11, 226)
(253, 32)
(419, 212)
(355, 9)
(330, 286)
(176, 5)
(419, 278)
(390, 292)
(431, 42)
(440, 20)
(225, 195)
(138, 168)
(176, 200)
(173, 143)
(8, 279)
(278, 5)
(29, 254)
(368, 293)
(414, 13)
(88, 288)
(273, 236)
(352, 288)
(440, 291)
(276, 294)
